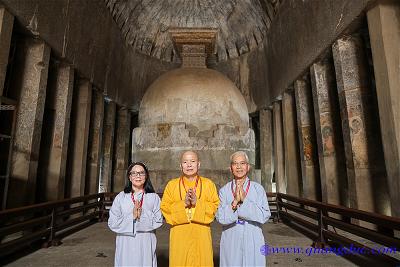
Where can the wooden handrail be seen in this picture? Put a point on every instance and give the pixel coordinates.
(47, 220)
(24, 225)
(308, 213)
(379, 219)
(364, 233)
(46, 205)
(324, 216)
(51, 219)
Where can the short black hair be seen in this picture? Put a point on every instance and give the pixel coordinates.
(148, 187)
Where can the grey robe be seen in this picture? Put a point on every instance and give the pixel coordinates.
(241, 243)
(136, 240)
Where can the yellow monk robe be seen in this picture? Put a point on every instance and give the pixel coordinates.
(190, 242)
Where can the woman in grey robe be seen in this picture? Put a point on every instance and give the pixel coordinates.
(134, 216)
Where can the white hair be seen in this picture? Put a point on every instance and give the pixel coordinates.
(239, 153)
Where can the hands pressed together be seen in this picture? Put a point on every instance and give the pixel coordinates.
(137, 210)
(191, 198)
(239, 196)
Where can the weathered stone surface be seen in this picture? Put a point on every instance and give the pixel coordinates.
(192, 109)
(78, 148)
(121, 160)
(250, 75)
(79, 34)
(384, 31)
(241, 24)
(29, 87)
(329, 134)
(108, 147)
(291, 145)
(266, 149)
(365, 167)
(279, 156)
(95, 144)
(296, 40)
(85, 35)
(194, 45)
(201, 97)
(307, 140)
(59, 97)
(6, 26)
(161, 151)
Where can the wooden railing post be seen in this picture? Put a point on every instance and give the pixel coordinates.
(278, 208)
(102, 208)
(52, 240)
(320, 243)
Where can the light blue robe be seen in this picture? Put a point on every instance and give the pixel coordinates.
(136, 240)
(241, 243)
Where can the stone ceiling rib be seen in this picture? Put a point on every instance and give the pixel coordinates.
(241, 24)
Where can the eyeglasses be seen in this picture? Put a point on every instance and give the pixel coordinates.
(237, 164)
(137, 174)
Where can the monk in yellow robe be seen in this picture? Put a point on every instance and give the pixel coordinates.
(189, 204)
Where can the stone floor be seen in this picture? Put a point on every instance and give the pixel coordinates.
(94, 246)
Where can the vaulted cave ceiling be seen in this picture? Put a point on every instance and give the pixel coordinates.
(242, 24)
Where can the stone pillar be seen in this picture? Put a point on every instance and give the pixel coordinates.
(292, 159)
(329, 134)
(279, 156)
(365, 167)
(80, 121)
(307, 140)
(29, 87)
(60, 94)
(121, 149)
(108, 147)
(6, 27)
(384, 31)
(95, 144)
(266, 149)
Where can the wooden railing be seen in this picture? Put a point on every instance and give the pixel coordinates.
(321, 221)
(49, 222)
(272, 202)
(107, 202)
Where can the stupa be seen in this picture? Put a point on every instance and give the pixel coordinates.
(192, 108)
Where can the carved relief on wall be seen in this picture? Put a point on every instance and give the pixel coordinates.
(308, 146)
(303, 106)
(359, 143)
(355, 139)
(163, 130)
(323, 101)
(327, 134)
